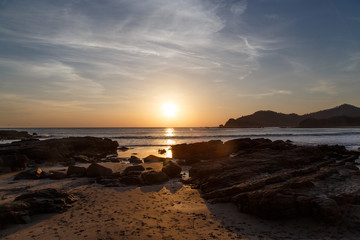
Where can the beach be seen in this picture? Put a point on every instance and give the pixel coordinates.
(166, 211)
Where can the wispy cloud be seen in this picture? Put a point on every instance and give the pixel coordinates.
(270, 93)
(324, 87)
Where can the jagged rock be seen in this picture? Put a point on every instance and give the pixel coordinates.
(152, 158)
(172, 169)
(134, 159)
(280, 180)
(154, 177)
(76, 171)
(97, 170)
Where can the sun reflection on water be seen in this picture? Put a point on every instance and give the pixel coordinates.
(169, 132)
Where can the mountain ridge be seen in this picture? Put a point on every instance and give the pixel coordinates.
(268, 118)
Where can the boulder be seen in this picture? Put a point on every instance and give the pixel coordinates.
(56, 175)
(154, 177)
(13, 134)
(136, 168)
(172, 169)
(97, 170)
(76, 171)
(152, 158)
(134, 159)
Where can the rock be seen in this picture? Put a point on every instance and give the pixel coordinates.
(152, 158)
(97, 170)
(154, 177)
(15, 161)
(123, 148)
(278, 180)
(30, 174)
(171, 169)
(137, 168)
(13, 134)
(134, 159)
(57, 175)
(161, 151)
(61, 150)
(76, 171)
(41, 201)
(81, 159)
(204, 150)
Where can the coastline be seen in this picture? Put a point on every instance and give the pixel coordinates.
(175, 209)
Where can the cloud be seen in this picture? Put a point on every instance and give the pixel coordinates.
(324, 87)
(239, 7)
(270, 93)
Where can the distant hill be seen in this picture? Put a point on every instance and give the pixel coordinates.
(273, 119)
(342, 121)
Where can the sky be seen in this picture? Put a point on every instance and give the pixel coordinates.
(115, 63)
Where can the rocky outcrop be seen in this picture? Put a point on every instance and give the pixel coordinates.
(277, 179)
(65, 150)
(97, 170)
(76, 171)
(14, 135)
(134, 159)
(154, 177)
(172, 169)
(41, 201)
(153, 158)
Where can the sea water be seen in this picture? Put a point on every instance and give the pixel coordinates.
(149, 140)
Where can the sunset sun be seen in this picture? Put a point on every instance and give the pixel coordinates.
(169, 109)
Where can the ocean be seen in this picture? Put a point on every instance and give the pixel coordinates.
(144, 141)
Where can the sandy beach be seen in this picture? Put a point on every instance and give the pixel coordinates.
(166, 211)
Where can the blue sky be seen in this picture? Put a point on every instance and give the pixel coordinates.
(115, 62)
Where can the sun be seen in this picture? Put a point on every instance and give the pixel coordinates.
(169, 109)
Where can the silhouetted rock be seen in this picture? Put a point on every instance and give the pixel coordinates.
(152, 158)
(134, 168)
(123, 148)
(161, 151)
(154, 177)
(76, 171)
(134, 159)
(60, 150)
(13, 135)
(172, 169)
(202, 150)
(97, 170)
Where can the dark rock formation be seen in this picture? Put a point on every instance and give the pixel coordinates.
(57, 175)
(76, 171)
(333, 122)
(277, 180)
(97, 170)
(273, 119)
(59, 150)
(40, 201)
(134, 159)
(172, 169)
(154, 177)
(152, 158)
(13, 135)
